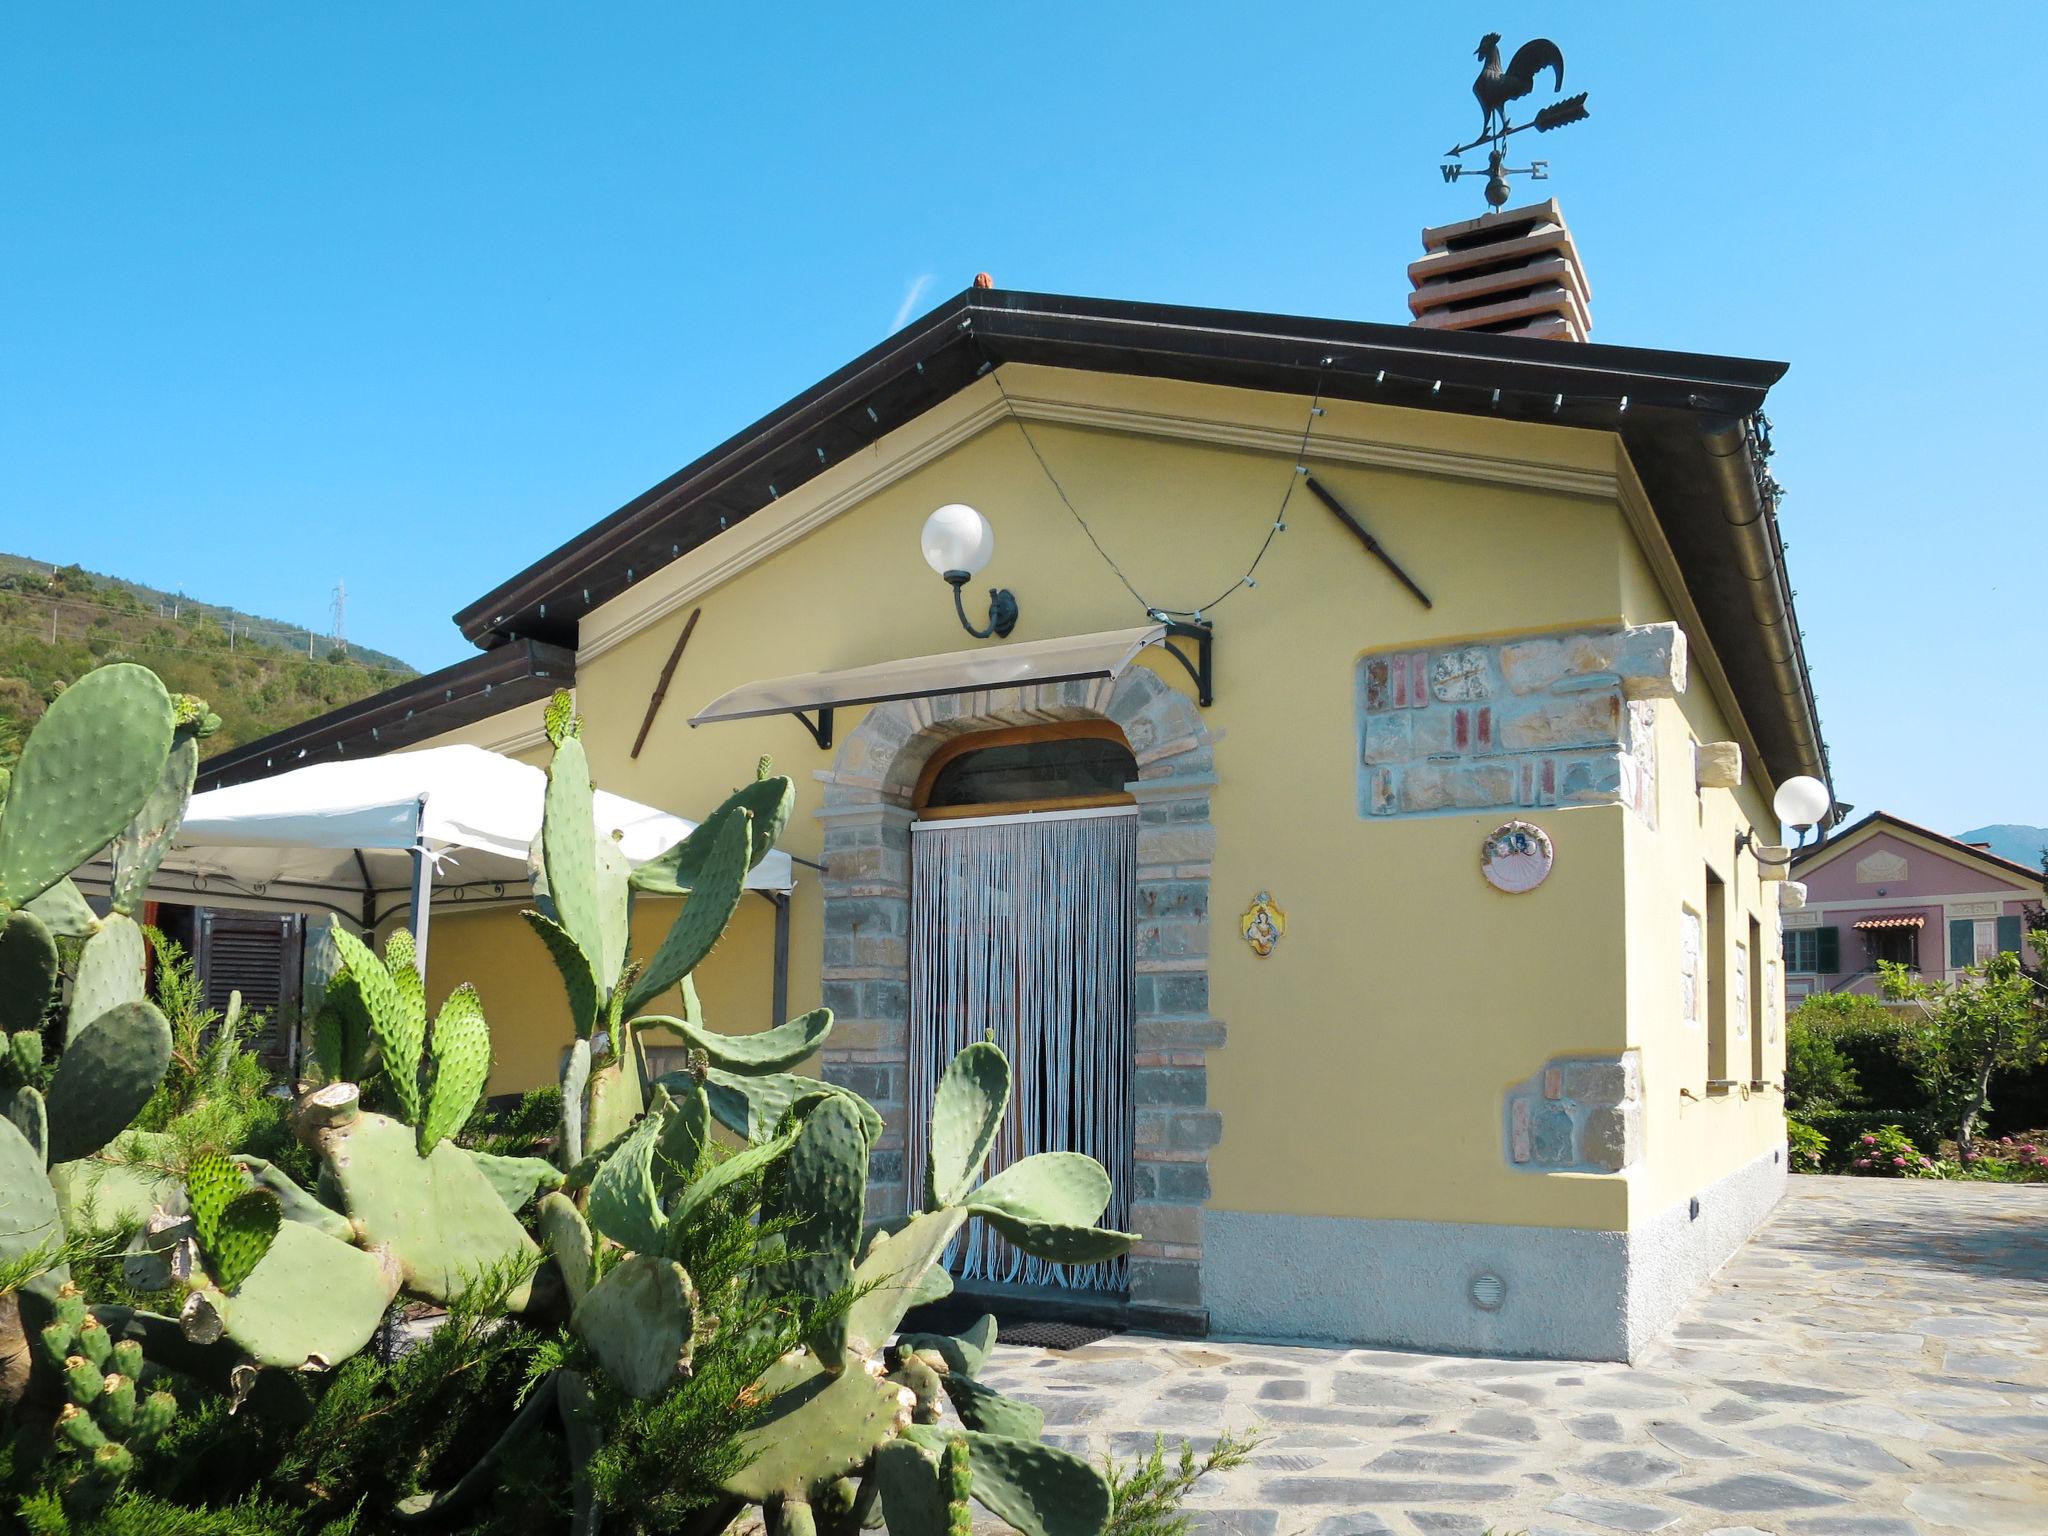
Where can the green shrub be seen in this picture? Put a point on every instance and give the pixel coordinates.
(1807, 1146)
(1817, 1073)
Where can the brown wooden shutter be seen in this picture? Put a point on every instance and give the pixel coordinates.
(260, 955)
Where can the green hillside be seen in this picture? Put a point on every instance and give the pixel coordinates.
(57, 623)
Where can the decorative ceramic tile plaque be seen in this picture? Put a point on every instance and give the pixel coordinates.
(1516, 857)
(1262, 925)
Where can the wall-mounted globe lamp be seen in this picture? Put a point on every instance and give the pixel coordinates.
(1801, 803)
(958, 542)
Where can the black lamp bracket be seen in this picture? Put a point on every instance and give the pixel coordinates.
(1747, 839)
(1002, 608)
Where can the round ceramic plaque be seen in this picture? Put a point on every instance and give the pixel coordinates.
(1516, 857)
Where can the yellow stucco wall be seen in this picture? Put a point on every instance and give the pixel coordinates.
(1367, 1059)
(1691, 1141)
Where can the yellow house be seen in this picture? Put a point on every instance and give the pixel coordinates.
(1351, 840)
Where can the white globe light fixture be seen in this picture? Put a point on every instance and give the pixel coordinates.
(958, 542)
(1801, 803)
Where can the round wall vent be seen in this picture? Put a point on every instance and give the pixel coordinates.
(1488, 1291)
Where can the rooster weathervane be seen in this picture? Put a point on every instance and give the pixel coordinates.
(1500, 84)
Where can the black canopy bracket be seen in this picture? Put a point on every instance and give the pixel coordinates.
(1202, 667)
(820, 729)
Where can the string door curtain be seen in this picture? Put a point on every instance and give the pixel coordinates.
(1020, 927)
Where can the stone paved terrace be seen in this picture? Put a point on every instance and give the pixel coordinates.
(1874, 1362)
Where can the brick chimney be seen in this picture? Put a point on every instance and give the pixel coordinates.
(1511, 273)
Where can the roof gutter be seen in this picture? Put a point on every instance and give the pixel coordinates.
(1748, 501)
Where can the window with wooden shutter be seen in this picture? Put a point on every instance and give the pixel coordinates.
(1828, 948)
(1962, 942)
(258, 954)
(2009, 935)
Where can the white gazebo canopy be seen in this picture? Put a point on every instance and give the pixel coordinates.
(408, 831)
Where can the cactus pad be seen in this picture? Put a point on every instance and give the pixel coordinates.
(892, 1273)
(575, 1078)
(438, 1214)
(683, 1135)
(294, 1204)
(235, 1223)
(614, 909)
(25, 1108)
(462, 1065)
(639, 1321)
(967, 1111)
(85, 771)
(614, 1103)
(119, 1186)
(64, 911)
(566, 1236)
(819, 1431)
(108, 1072)
(1062, 1188)
(147, 838)
(1058, 1244)
(397, 1013)
(1039, 1490)
(28, 970)
(821, 1188)
(110, 972)
(740, 1166)
(964, 1353)
(625, 1204)
(516, 1179)
(341, 1032)
(771, 1050)
(312, 1301)
(767, 801)
(987, 1410)
(752, 1107)
(913, 1498)
(703, 919)
(558, 719)
(569, 853)
(578, 980)
(28, 1205)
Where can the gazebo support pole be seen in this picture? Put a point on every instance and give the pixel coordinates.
(779, 1005)
(422, 890)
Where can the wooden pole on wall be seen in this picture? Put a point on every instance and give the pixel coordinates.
(661, 687)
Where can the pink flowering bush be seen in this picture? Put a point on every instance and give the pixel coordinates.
(1889, 1153)
(2008, 1159)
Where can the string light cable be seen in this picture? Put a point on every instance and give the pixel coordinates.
(1277, 526)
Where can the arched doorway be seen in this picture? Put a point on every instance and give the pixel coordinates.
(867, 817)
(1023, 862)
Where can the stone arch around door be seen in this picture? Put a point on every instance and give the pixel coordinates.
(867, 815)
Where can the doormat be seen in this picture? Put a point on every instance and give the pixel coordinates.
(1049, 1335)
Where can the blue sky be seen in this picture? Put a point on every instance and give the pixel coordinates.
(408, 295)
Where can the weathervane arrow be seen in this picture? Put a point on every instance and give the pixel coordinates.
(1496, 87)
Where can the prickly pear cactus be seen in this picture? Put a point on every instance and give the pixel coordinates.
(104, 1418)
(585, 919)
(87, 769)
(235, 1223)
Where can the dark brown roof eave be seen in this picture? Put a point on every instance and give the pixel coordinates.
(474, 689)
(1682, 416)
(945, 351)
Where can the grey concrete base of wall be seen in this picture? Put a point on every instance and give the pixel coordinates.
(1548, 1292)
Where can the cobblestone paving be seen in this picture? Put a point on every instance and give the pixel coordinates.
(1874, 1362)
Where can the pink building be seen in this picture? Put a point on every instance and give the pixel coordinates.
(1885, 889)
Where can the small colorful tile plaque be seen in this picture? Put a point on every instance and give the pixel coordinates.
(1263, 924)
(1516, 857)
